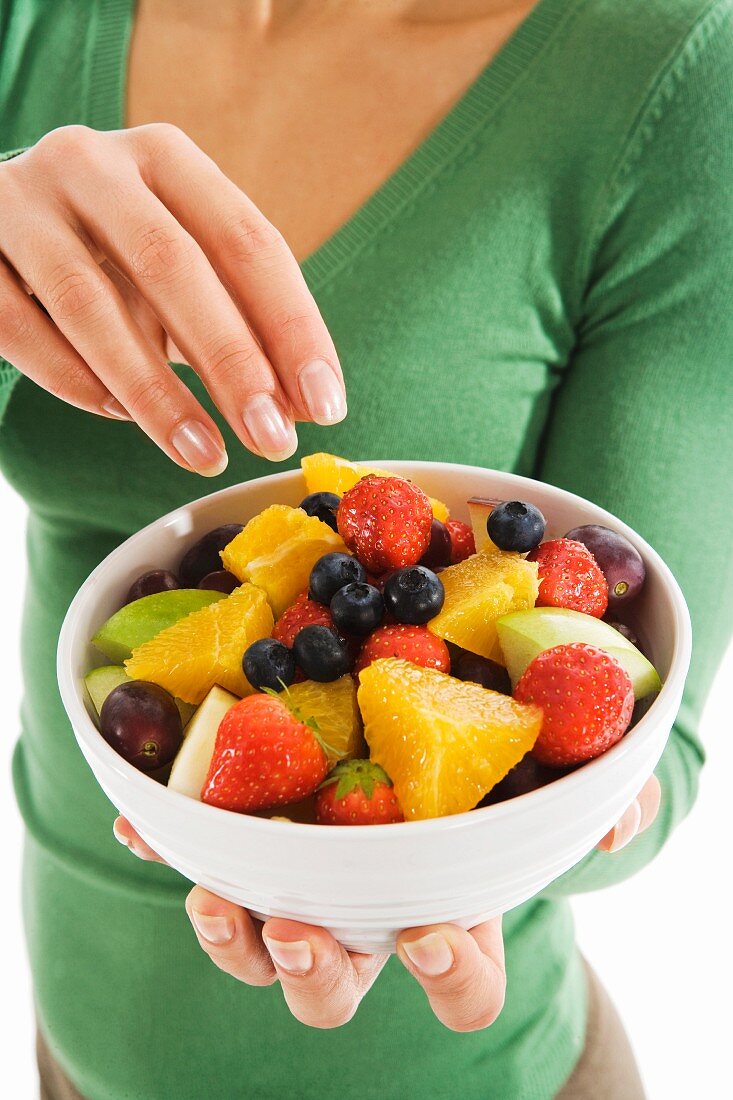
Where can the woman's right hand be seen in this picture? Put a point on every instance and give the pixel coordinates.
(137, 245)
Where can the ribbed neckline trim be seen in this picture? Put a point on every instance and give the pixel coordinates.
(105, 110)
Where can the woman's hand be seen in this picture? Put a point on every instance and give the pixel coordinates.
(462, 973)
(638, 817)
(136, 245)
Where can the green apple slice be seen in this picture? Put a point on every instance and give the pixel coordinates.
(101, 681)
(524, 634)
(191, 765)
(141, 620)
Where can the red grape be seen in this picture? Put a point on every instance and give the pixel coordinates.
(221, 580)
(156, 580)
(438, 552)
(480, 670)
(203, 556)
(619, 561)
(142, 723)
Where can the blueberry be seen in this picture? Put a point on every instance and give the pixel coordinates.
(323, 506)
(414, 595)
(516, 525)
(357, 608)
(322, 654)
(269, 664)
(439, 551)
(332, 572)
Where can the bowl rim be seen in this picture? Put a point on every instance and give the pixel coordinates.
(85, 730)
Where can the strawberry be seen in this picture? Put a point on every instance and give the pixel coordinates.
(586, 697)
(357, 792)
(412, 643)
(570, 577)
(304, 612)
(386, 522)
(462, 542)
(266, 754)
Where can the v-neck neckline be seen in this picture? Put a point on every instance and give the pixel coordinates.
(105, 98)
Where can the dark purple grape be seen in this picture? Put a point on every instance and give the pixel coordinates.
(625, 630)
(203, 556)
(480, 670)
(528, 775)
(219, 581)
(157, 580)
(439, 551)
(142, 723)
(619, 561)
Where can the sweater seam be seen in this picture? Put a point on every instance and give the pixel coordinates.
(639, 137)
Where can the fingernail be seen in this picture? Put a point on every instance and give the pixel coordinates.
(120, 836)
(322, 392)
(199, 448)
(113, 408)
(217, 930)
(627, 827)
(432, 954)
(295, 956)
(272, 434)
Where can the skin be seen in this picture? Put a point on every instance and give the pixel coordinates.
(461, 972)
(180, 240)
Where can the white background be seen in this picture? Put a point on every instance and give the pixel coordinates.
(661, 942)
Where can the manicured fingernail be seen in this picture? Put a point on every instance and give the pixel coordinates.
(295, 956)
(432, 954)
(113, 408)
(217, 930)
(199, 448)
(322, 392)
(627, 827)
(119, 835)
(272, 434)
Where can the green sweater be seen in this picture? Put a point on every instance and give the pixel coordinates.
(544, 286)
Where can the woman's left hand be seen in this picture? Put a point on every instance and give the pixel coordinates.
(461, 972)
(638, 817)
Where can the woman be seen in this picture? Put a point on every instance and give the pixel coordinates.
(514, 223)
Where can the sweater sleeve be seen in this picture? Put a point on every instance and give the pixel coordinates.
(643, 421)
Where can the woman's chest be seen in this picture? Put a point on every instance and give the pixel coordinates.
(311, 119)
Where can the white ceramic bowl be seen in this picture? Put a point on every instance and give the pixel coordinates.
(364, 884)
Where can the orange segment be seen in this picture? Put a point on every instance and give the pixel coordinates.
(325, 473)
(277, 550)
(205, 648)
(478, 591)
(443, 742)
(334, 708)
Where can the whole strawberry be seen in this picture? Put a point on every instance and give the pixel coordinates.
(411, 643)
(304, 612)
(357, 792)
(266, 754)
(586, 698)
(386, 522)
(462, 541)
(570, 577)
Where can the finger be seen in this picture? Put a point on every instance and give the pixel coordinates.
(623, 831)
(650, 799)
(230, 937)
(254, 261)
(461, 972)
(90, 312)
(29, 340)
(127, 835)
(168, 268)
(321, 983)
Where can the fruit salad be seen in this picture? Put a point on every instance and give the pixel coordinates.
(367, 659)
